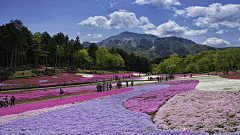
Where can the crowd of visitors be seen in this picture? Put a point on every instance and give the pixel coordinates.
(28, 86)
(159, 78)
(108, 86)
(5, 101)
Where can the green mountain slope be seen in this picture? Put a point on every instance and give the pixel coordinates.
(151, 47)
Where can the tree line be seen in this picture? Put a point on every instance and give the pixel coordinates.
(19, 46)
(205, 61)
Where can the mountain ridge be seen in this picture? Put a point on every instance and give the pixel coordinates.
(150, 46)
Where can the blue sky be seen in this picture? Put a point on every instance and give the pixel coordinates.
(212, 22)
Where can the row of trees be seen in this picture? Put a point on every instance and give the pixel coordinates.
(18, 47)
(38, 48)
(204, 61)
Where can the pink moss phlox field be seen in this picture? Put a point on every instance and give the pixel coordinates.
(50, 103)
(150, 102)
(208, 111)
(48, 93)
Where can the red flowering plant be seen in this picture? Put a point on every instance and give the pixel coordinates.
(56, 79)
(231, 76)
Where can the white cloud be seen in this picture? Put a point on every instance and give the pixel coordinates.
(205, 22)
(96, 21)
(239, 39)
(239, 29)
(94, 41)
(148, 26)
(196, 32)
(94, 35)
(220, 32)
(213, 41)
(123, 19)
(172, 29)
(98, 35)
(118, 19)
(179, 12)
(165, 4)
(78, 33)
(177, 3)
(112, 4)
(214, 15)
(143, 20)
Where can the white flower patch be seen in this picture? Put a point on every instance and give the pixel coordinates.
(137, 74)
(43, 81)
(54, 77)
(85, 75)
(214, 83)
(3, 84)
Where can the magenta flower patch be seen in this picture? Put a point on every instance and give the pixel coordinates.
(150, 102)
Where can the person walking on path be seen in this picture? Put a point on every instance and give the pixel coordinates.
(110, 86)
(1, 103)
(107, 86)
(117, 85)
(26, 87)
(61, 92)
(127, 83)
(100, 88)
(120, 85)
(6, 100)
(103, 86)
(132, 82)
(12, 100)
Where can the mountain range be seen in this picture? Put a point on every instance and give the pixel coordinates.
(150, 46)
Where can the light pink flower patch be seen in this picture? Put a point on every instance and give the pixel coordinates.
(208, 111)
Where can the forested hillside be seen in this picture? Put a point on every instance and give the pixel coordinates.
(205, 61)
